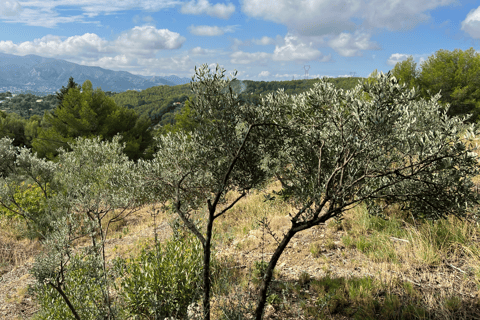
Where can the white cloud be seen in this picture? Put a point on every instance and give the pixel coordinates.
(237, 43)
(53, 46)
(295, 49)
(147, 40)
(218, 10)
(9, 8)
(210, 30)
(116, 63)
(197, 51)
(292, 49)
(397, 57)
(349, 45)
(141, 42)
(471, 24)
(241, 57)
(264, 41)
(182, 66)
(93, 8)
(332, 17)
(264, 74)
(43, 13)
(399, 15)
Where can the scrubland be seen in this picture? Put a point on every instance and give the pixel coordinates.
(359, 267)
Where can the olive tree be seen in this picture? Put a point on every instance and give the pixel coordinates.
(339, 149)
(332, 150)
(91, 187)
(195, 170)
(26, 183)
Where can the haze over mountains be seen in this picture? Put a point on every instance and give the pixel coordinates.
(48, 75)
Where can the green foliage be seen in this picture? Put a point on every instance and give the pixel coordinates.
(157, 103)
(184, 121)
(96, 185)
(390, 147)
(27, 105)
(26, 186)
(27, 196)
(71, 84)
(406, 72)
(90, 113)
(84, 283)
(4, 95)
(258, 271)
(161, 282)
(22, 131)
(455, 73)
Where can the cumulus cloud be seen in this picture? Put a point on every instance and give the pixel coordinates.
(397, 57)
(349, 45)
(291, 49)
(142, 42)
(147, 40)
(53, 46)
(218, 10)
(471, 24)
(294, 49)
(9, 8)
(241, 57)
(326, 17)
(264, 74)
(210, 31)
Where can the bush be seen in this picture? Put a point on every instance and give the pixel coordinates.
(161, 282)
(83, 282)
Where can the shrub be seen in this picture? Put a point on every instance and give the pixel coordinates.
(161, 282)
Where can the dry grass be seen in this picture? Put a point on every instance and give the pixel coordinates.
(362, 267)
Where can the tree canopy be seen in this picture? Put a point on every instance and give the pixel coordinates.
(455, 74)
(406, 72)
(90, 113)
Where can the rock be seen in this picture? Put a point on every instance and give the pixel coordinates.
(269, 311)
(195, 311)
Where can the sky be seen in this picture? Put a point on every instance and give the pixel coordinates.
(264, 40)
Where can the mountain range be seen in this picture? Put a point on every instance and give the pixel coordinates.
(47, 75)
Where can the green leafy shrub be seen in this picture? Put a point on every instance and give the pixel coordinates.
(161, 282)
(84, 282)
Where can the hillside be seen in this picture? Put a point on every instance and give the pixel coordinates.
(361, 267)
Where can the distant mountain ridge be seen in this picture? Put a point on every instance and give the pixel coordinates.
(48, 75)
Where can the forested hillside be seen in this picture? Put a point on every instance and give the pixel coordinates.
(161, 102)
(27, 104)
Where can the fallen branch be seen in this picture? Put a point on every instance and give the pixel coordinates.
(453, 267)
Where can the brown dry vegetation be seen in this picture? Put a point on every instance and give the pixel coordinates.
(362, 267)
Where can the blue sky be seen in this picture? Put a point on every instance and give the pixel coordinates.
(270, 40)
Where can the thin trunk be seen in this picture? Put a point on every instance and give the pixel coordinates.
(262, 299)
(67, 301)
(206, 267)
